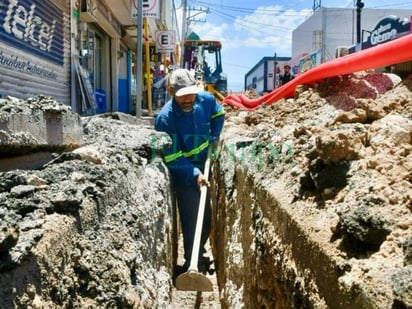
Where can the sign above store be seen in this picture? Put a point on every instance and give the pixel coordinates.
(151, 8)
(388, 28)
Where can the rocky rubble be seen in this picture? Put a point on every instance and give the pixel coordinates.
(37, 124)
(91, 228)
(318, 198)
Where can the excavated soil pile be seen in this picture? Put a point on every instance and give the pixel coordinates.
(316, 198)
(91, 227)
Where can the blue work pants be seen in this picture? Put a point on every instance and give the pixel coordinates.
(188, 204)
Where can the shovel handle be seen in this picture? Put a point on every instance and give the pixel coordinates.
(200, 214)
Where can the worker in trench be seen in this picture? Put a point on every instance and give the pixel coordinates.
(194, 120)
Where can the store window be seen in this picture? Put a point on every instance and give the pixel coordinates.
(91, 61)
(91, 56)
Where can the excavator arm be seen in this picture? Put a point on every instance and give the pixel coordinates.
(211, 88)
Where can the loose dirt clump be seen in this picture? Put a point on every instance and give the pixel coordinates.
(340, 155)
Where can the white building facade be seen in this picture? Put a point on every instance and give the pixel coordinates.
(329, 31)
(264, 76)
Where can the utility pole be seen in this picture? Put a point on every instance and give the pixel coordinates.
(139, 58)
(275, 74)
(187, 18)
(191, 17)
(184, 28)
(359, 7)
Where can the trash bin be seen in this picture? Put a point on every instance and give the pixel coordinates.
(100, 96)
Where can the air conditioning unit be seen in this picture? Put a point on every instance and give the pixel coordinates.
(341, 51)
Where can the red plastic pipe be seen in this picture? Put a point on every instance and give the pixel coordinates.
(385, 54)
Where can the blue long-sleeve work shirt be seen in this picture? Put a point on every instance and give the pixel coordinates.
(191, 134)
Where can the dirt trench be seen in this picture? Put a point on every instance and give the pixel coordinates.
(311, 195)
(86, 213)
(315, 198)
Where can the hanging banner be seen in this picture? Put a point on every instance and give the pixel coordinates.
(165, 41)
(151, 8)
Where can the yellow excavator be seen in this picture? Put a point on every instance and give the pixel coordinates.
(204, 57)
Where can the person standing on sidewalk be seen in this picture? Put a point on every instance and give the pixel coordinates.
(194, 120)
(286, 76)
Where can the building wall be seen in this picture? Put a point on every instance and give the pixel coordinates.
(35, 62)
(168, 12)
(336, 27)
(316, 41)
(261, 76)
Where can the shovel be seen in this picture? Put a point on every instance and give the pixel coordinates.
(193, 280)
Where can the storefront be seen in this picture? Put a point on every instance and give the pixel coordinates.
(80, 52)
(35, 49)
(106, 58)
(97, 59)
(387, 29)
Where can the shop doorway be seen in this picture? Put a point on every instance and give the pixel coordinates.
(94, 80)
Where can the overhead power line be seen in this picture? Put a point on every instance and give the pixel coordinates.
(248, 23)
(243, 9)
(267, 11)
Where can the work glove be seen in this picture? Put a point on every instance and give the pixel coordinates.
(202, 181)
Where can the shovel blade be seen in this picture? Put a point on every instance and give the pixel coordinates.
(193, 281)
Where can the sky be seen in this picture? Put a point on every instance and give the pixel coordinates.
(251, 30)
